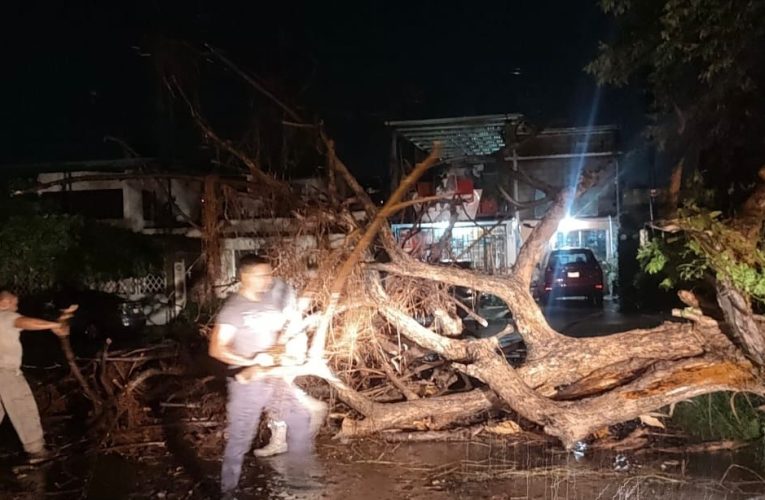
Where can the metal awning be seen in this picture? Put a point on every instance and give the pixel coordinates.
(467, 136)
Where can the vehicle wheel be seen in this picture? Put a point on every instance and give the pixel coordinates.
(597, 300)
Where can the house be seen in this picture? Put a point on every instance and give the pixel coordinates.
(120, 192)
(169, 206)
(484, 162)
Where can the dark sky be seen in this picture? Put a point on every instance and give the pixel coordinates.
(74, 70)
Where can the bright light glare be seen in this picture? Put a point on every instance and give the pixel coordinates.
(566, 224)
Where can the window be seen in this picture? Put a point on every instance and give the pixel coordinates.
(568, 257)
(103, 204)
(594, 239)
(467, 244)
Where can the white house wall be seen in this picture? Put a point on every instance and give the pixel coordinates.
(186, 194)
(132, 199)
(306, 244)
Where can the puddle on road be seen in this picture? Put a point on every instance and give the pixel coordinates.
(418, 471)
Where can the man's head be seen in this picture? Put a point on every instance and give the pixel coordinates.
(255, 274)
(8, 301)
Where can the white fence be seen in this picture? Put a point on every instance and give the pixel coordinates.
(128, 287)
(131, 287)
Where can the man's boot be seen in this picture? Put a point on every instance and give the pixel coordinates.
(318, 410)
(278, 442)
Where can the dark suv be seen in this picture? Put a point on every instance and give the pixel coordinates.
(100, 315)
(573, 272)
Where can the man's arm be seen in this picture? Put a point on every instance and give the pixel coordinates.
(36, 325)
(294, 324)
(317, 368)
(220, 348)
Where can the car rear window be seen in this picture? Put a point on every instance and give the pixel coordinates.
(570, 257)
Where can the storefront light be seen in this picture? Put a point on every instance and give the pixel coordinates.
(567, 224)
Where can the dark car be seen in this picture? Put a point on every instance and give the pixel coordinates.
(572, 272)
(99, 316)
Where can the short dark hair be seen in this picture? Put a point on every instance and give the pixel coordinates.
(252, 260)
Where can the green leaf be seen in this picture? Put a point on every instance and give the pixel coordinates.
(667, 284)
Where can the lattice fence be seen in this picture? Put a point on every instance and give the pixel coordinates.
(146, 285)
(149, 284)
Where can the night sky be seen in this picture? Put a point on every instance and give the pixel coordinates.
(78, 71)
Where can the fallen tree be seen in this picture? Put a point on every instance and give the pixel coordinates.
(389, 327)
(398, 371)
(571, 387)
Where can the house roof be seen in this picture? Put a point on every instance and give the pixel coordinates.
(463, 136)
(106, 165)
(477, 136)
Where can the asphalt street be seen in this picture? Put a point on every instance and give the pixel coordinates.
(576, 318)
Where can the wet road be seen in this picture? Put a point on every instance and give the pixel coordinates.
(491, 469)
(578, 319)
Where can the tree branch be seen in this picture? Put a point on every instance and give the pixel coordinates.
(534, 246)
(210, 134)
(752, 215)
(398, 383)
(257, 86)
(380, 219)
(420, 201)
(532, 325)
(523, 205)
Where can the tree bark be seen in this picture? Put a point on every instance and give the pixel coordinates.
(421, 414)
(739, 316)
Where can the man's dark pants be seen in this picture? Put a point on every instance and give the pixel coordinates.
(245, 405)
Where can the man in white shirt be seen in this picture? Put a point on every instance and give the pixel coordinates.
(16, 399)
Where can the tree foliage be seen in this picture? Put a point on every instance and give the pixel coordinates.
(707, 245)
(700, 62)
(39, 251)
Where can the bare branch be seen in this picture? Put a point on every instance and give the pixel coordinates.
(523, 205)
(486, 232)
(210, 134)
(260, 88)
(752, 215)
(535, 245)
(533, 248)
(537, 183)
(108, 177)
(481, 321)
(667, 226)
(421, 201)
(675, 183)
(380, 219)
(532, 325)
(398, 383)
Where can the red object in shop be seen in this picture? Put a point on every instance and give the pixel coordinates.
(464, 186)
(488, 206)
(425, 189)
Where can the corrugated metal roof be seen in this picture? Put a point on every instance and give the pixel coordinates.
(466, 136)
